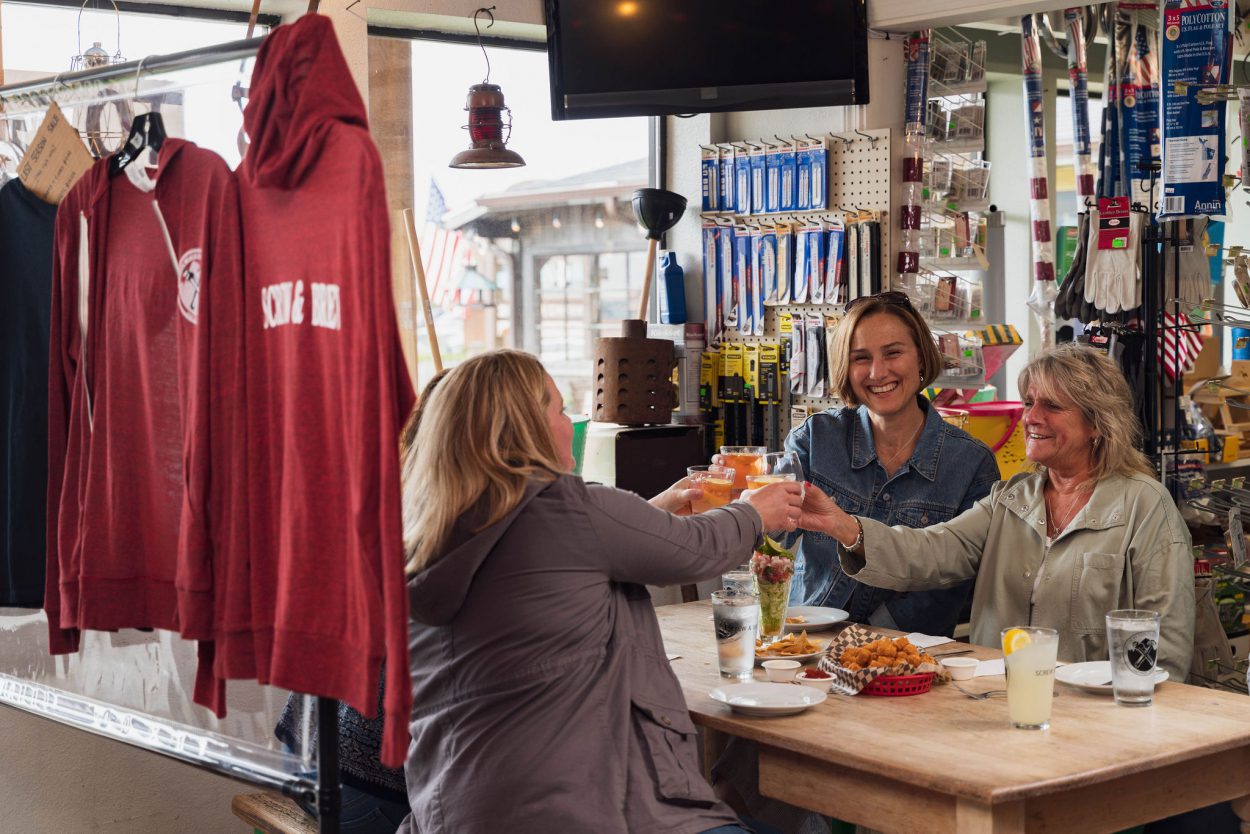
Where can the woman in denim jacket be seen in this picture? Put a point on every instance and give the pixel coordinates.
(888, 456)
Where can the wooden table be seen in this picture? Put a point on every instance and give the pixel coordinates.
(945, 762)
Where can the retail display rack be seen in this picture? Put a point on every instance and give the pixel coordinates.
(26, 684)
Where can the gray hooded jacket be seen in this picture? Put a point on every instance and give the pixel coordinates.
(542, 697)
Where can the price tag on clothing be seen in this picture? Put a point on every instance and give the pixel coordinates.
(55, 158)
(1236, 539)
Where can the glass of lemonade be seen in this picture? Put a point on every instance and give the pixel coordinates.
(744, 460)
(1029, 655)
(736, 615)
(715, 481)
(1133, 645)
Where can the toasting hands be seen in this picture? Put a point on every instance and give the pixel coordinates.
(821, 514)
(676, 499)
(779, 504)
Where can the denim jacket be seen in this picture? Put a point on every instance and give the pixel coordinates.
(948, 472)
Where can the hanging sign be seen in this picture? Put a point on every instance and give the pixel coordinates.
(1196, 38)
(55, 158)
(1140, 89)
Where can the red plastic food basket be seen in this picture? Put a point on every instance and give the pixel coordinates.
(895, 686)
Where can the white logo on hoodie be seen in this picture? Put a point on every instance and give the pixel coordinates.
(189, 285)
(283, 304)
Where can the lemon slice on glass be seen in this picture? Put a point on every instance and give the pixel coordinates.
(1015, 638)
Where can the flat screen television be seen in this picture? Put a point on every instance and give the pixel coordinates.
(670, 57)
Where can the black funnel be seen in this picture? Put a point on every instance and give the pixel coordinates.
(658, 210)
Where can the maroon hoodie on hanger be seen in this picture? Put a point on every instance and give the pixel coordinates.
(327, 387)
(114, 430)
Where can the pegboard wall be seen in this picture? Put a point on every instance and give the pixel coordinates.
(858, 179)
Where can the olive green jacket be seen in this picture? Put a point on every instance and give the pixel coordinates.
(1128, 548)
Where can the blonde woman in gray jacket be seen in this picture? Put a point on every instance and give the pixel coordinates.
(1088, 531)
(542, 697)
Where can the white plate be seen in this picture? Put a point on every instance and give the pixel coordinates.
(801, 658)
(815, 618)
(1094, 676)
(763, 699)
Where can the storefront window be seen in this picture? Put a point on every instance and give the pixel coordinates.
(545, 258)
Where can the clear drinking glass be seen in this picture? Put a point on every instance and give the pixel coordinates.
(744, 460)
(715, 481)
(736, 616)
(1133, 646)
(1029, 655)
(739, 579)
(784, 463)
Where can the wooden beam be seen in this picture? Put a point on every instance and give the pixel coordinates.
(390, 121)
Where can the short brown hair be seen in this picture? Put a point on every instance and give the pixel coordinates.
(931, 362)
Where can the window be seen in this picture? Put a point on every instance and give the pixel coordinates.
(545, 258)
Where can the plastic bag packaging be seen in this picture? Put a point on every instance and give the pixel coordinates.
(1195, 267)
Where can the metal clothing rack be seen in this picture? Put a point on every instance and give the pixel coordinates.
(93, 86)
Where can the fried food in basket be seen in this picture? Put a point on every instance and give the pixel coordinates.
(883, 653)
(788, 646)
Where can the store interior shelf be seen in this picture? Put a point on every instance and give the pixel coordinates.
(939, 89)
(969, 264)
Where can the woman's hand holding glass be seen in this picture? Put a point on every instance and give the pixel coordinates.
(678, 498)
(779, 504)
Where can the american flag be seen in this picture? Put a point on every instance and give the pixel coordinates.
(442, 251)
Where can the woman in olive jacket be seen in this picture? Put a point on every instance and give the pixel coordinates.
(1090, 530)
(542, 697)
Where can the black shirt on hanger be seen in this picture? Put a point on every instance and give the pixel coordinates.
(25, 308)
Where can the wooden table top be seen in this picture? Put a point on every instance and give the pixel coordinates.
(952, 744)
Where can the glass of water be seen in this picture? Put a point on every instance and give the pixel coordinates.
(1133, 646)
(739, 579)
(736, 615)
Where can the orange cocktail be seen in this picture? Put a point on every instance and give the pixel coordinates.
(757, 481)
(715, 481)
(744, 460)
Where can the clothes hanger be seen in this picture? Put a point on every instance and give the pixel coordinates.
(147, 131)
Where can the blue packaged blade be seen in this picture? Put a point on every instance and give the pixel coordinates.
(742, 180)
(758, 197)
(772, 180)
(709, 160)
(742, 278)
(728, 179)
(803, 194)
(787, 162)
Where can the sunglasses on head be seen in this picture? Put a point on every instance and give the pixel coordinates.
(893, 297)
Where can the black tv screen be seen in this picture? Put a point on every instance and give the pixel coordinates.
(667, 57)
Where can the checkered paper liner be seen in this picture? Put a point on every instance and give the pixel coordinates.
(846, 682)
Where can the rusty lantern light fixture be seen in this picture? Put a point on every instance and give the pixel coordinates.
(486, 107)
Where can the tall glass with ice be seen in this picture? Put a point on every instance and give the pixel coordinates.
(736, 615)
(1133, 646)
(1029, 654)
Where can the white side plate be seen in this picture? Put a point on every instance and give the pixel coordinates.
(765, 699)
(815, 618)
(1094, 675)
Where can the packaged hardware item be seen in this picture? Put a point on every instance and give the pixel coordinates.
(757, 281)
(785, 262)
(742, 278)
(712, 293)
(817, 243)
(834, 265)
(772, 179)
(803, 187)
(799, 293)
(798, 354)
(819, 154)
(768, 265)
(710, 176)
(852, 261)
(729, 286)
(742, 179)
(817, 371)
(758, 191)
(788, 164)
(728, 177)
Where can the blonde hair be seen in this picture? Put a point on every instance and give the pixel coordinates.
(483, 435)
(1090, 381)
(840, 346)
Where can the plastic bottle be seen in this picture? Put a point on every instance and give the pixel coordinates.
(672, 290)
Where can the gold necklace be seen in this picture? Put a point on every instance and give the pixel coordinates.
(899, 450)
(1053, 526)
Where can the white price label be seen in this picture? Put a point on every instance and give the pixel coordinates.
(1236, 539)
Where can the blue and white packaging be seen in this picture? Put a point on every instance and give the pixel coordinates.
(772, 179)
(1196, 38)
(742, 179)
(742, 277)
(819, 153)
(710, 175)
(785, 261)
(833, 267)
(729, 287)
(712, 282)
(816, 247)
(759, 199)
(768, 265)
(803, 199)
(757, 281)
(728, 178)
(788, 163)
(799, 293)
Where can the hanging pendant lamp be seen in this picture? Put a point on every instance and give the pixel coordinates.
(485, 104)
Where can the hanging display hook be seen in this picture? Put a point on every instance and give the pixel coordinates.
(489, 11)
(138, 76)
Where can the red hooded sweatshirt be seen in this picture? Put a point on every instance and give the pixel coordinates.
(114, 429)
(327, 388)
